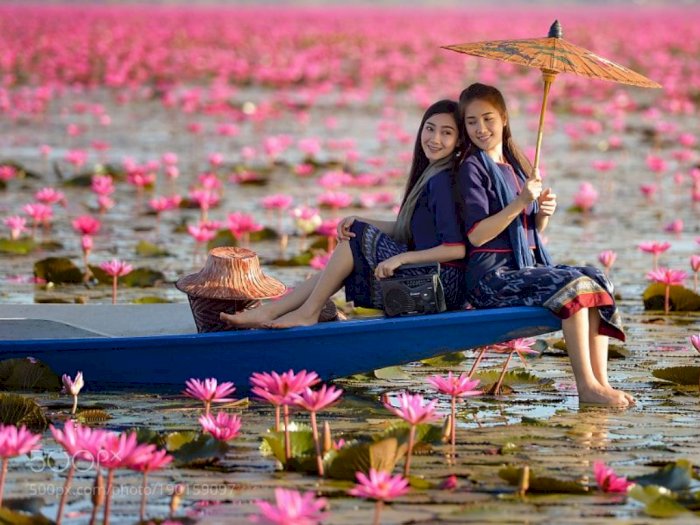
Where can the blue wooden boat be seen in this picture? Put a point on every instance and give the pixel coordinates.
(155, 347)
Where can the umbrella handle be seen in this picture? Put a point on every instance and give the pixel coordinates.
(548, 77)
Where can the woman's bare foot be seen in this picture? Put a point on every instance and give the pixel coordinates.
(630, 398)
(600, 395)
(252, 318)
(292, 319)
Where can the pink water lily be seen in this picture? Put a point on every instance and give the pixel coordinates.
(116, 269)
(379, 486)
(695, 341)
(241, 225)
(291, 508)
(455, 387)
(86, 225)
(655, 248)
(607, 258)
(50, 196)
(695, 266)
(668, 277)
(17, 226)
(608, 481)
(14, 442)
(209, 391)
(73, 387)
(223, 426)
(146, 463)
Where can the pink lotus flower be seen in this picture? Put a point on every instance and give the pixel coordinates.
(209, 391)
(201, 232)
(669, 278)
(154, 460)
(14, 442)
(280, 390)
(310, 146)
(307, 219)
(686, 139)
(655, 248)
(455, 386)
(76, 157)
(303, 170)
(227, 130)
(319, 262)
(50, 196)
(608, 481)
(86, 225)
(209, 181)
(278, 201)
(40, 214)
(205, 199)
(215, 160)
(102, 184)
(675, 226)
(648, 190)
(412, 410)
(695, 341)
(17, 225)
(223, 427)
(603, 166)
(169, 158)
(241, 225)
(291, 508)
(379, 486)
(656, 164)
(335, 200)
(73, 387)
(314, 401)
(607, 258)
(7, 173)
(586, 197)
(695, 266)
(116, 269)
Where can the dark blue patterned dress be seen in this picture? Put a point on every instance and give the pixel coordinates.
(493, 278)
(435, 221)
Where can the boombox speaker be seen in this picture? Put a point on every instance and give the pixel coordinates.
(413, 294)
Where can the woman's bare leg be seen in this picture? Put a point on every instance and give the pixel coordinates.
(576, 335)
(339, 267)
(599, 351)
(255, 317)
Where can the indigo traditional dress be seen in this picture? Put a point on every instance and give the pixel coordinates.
(436, 220)
(495, 279)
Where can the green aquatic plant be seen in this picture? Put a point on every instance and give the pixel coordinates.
(668, 492)
(58, 270)
(681, 375)
(542, 483)
(681, 299)
(21, 246)
(19, 410)
(27, 374)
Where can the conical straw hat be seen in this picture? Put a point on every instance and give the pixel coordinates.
(231, 274)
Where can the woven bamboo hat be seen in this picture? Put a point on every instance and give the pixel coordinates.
(231, 274)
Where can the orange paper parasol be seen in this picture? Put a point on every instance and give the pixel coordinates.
(553, 55)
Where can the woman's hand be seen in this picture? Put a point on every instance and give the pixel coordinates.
(343, 229)
(387, 267)
(531, 191)
(547, 202)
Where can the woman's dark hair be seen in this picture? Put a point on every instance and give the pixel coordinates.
(494, 97)
(420, 161)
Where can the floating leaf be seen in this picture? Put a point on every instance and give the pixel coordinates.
(301, 441)
(20, 246)
(58, 270)
(302, 259)
(147, 436)
(92, 416)
(26, 374)
(266, 234)
(148, 249)
(512, 377)
(674, 476)
(150, 299)
(425, 433)
(659, 502)
(195, 450)
(681, 375)
(9, 517)
(618, 352)
(19, 410)
(391, 373)
(682, 299)
(222, 238)
(360, 456)
(445, 360)
(543, 484)
(143, 278)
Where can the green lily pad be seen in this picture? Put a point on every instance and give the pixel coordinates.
(512, 377)
(302, 259)
(425, 433)
(681, 299)
(10, 517)
(192, 449)
(21, 246)
(92, 416)
(266, 234)
(681, 375)
(150, 299)
(543, 484)
(26, 374)
(360, 456)
(445, 360)
(391, 373)
(59, 270)
(148, 249)
(19, 410)
(659, 501)
(674, 476)
(143, 278)
(301, 441)
(222, 238)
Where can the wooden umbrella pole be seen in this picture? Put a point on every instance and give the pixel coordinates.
(548, 77)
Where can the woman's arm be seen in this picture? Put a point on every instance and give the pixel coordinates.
(345, 234)
(491, 226)
(440, 253)
(547, 204)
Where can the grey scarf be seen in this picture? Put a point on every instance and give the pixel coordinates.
(402, 229)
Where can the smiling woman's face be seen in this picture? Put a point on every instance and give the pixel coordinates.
(485, 125)
(439, 136)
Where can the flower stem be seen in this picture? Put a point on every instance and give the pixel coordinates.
(411, 442)
(287, 437)
(277, 418)
(108, 497)
(144, 486)
(476, 363)
(496, 390)
(377, 511)
(667, 299)
(75, 405)
(453, 428)
(114, 289)
(3, 473)
(317, 443)
(64, 494)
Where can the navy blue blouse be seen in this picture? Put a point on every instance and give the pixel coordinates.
(480, 202)
(436, 219)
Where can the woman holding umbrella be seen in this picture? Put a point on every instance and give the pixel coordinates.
(506, 209)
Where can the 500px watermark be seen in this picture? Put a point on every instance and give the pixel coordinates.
(61, 461)
(197, 490)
